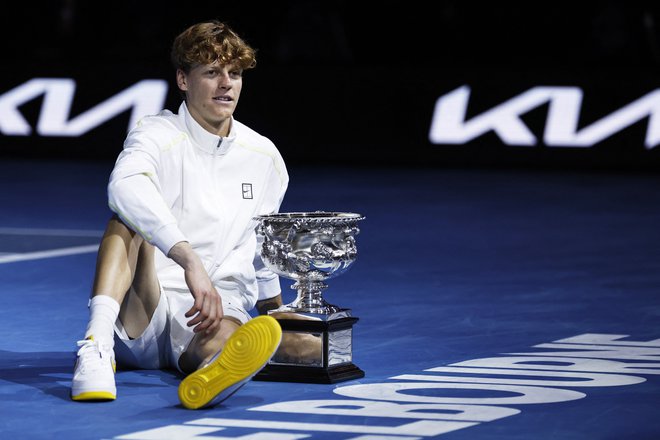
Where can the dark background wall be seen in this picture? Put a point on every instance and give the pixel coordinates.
(354, 82)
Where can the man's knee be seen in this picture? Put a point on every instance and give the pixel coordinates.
(117, 227)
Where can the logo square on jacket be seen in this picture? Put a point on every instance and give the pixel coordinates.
(247, 191)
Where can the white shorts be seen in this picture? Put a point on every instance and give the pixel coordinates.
(167, 336)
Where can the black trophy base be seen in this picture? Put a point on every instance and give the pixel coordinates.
(289, 373)
(331, 363)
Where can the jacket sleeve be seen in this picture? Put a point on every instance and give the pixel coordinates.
(269, 282)
(134, 192)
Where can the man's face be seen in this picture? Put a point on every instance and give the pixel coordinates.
(212, 92)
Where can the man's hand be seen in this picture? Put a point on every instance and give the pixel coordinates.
(206, 312)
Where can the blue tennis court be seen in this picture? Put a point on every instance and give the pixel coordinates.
(493, 304)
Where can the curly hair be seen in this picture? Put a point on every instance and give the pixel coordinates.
(207, 42)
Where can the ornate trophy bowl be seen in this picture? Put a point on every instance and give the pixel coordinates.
(317, 338)
(310, 248)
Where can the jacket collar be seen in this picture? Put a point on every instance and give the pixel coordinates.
(202, 139)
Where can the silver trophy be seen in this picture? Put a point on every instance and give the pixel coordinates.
(310, 248)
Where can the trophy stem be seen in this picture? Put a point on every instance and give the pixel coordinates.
(310, 298)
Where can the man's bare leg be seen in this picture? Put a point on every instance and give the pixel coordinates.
(203, 347)
(125, 285)
(125, 271)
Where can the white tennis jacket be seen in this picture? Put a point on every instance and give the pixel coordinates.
(175, 181)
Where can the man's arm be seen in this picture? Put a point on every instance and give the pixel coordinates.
(207, 309)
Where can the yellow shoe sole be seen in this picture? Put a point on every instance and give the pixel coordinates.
(246, 352)
(94, 396)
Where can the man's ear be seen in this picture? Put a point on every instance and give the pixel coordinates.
(181, 80)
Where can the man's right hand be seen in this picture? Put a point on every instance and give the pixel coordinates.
(206, 312)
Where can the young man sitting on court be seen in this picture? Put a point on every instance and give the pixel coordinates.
(177, 269)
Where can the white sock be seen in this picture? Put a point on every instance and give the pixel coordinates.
(103, 312)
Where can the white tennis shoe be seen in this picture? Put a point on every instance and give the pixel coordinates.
(94, 373)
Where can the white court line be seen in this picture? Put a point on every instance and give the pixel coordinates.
(11, 258)
(53, 232)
